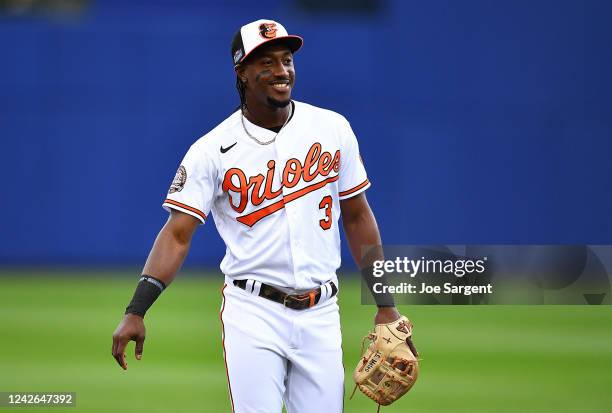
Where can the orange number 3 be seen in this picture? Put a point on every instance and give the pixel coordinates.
(326, 203)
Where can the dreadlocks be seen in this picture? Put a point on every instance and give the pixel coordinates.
(241, 87)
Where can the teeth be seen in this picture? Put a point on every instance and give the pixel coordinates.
(280, 85)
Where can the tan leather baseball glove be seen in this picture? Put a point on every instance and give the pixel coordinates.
(389, 367)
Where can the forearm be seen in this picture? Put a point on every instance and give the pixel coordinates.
(364, 241)
(165, 259)
(363, 238)
(167, 255)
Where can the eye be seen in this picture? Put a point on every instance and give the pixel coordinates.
(288, 61)
(266, 62)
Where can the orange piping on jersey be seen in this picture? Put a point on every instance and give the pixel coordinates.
(357, 188)
(252, 218)
(229, 385)
(187, 207)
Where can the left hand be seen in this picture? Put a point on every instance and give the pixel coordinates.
(131, 328)
(386, 315)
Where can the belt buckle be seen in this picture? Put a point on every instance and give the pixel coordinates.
(299, 300)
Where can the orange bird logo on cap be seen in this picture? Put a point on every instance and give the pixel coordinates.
(267, 30)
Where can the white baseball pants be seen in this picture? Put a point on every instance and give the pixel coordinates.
(275, 355)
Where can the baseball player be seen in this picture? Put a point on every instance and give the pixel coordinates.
(276, 174)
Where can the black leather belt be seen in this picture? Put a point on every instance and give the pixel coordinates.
(295, 302)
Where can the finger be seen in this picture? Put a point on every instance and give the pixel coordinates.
(114, 350)
(139, 347)
(120, 353)
(118, 359)
(412, 347)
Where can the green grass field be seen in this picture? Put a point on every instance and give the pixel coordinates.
(56, 336)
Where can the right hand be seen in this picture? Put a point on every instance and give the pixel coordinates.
(130, 328)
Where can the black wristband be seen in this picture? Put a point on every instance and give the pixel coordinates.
(147, 291)
(383, 299)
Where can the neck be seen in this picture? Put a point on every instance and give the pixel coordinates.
(267, 116)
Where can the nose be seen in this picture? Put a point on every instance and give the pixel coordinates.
(280, 69)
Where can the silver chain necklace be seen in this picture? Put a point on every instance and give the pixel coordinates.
(274, 138)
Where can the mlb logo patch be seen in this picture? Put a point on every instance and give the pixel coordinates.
(238, 55)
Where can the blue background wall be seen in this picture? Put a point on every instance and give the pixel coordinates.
(479, 121)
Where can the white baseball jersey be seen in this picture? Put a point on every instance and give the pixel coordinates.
(276, 206)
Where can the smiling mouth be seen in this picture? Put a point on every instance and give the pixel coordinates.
(280, 86)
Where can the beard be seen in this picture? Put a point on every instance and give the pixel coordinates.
(277, 103)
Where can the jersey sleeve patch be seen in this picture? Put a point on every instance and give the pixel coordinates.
(178, 183)
(179, 206)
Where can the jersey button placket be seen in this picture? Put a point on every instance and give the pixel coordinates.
(281, 151)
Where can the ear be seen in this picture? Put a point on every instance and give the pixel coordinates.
(240, 72)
